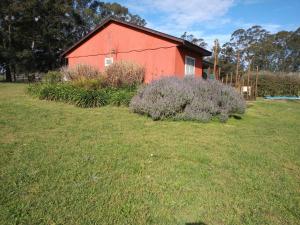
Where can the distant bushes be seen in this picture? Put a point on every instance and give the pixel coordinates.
(82, 97)
(187, 99)
(277, 85)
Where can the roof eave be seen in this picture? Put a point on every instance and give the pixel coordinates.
(197, 48)
(108, 20)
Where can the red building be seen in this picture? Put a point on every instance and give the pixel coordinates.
(160, 54)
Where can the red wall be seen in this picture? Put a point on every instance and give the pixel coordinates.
(160, 57)
(180, 62)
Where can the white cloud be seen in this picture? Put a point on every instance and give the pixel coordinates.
(250, 2)
(175, 16)
(210, 38)
(183, 14)
(202, 18)
(187, 13)
(272, 27)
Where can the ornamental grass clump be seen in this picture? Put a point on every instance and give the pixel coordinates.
(187, 99)
(83, 76)
(123, 74)
(80, 72)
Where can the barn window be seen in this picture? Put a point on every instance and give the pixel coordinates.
(189, 66)
(108, 61)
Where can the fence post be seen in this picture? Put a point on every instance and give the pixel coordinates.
(256, 80)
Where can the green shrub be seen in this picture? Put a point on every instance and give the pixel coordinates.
(89, 84)
(78, 96)
(58, 92)
(277, 85)
(187, 99)
(91, 98)
(81, 97)
(123, 74)
(53, 77)
(35, 89)
(121, 96)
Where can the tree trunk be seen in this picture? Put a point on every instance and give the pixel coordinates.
(14, 73)
(8, 73)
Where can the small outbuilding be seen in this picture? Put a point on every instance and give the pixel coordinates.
(159, 53)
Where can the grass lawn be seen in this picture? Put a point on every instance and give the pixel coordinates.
(60, 164)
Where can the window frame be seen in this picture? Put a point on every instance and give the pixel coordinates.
(108, 58)
(185, 66)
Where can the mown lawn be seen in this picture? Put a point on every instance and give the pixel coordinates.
(65, 165)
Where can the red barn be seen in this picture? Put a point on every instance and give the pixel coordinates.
(160, 54)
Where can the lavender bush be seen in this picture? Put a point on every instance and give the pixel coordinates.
(187, 99)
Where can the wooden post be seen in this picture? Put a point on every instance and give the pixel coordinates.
(248, 84)
(243, 84)
(230, 79)
(248, 77)
(251, 91)
(237, 79)
(219, 73)
(256, 80)
(216, 57)
(226, 78)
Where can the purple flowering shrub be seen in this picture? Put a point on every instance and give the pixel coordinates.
(187, 99)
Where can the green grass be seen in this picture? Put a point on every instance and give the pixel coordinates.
(60, 164)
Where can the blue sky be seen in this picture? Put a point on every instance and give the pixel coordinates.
(211, 19)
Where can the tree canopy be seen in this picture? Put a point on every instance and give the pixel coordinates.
(258, 47)
(193, 39)
(34, 33)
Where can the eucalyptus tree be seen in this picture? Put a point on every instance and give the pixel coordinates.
(193, 39)
(34, 33)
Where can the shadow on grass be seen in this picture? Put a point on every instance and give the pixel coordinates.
(196, 223)
(237, 117)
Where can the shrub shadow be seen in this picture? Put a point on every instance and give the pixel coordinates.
(237, 117)
(196, 223)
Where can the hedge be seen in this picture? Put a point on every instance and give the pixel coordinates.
(81, 97)
(277, 85)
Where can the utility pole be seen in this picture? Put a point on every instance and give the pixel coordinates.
(7, 66)
(256, 80)
(237, 69)
(216, 53)
(226, 78)
(248, 79)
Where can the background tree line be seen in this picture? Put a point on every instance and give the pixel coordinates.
(34, 33)
(257, 47)
(279, 52)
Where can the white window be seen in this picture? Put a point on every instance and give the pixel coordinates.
(108, 61)
(189, 66)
